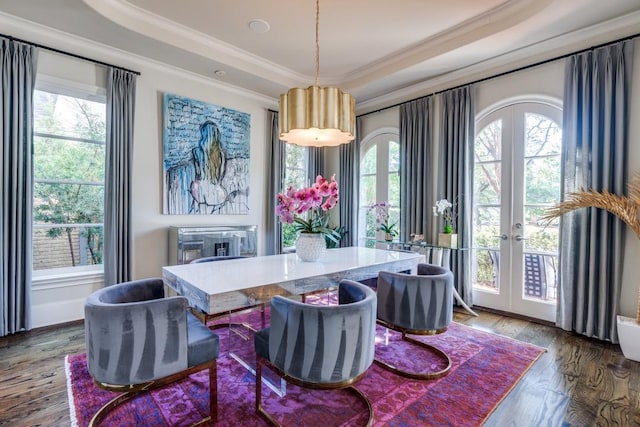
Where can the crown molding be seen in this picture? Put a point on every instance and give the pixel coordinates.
(172, 33)
(565, 44)
(47, 36)
(506, 15)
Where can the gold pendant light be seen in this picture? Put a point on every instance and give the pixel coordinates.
(317, 116)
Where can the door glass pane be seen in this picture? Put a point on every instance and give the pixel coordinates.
(488, 143)
(486, 215)
(393, 186)
(487, 182)
(368, 162)
(543, 136)
(379, 182)
(542, 190)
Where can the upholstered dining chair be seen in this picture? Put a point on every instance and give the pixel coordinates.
(417, 304)
(319, 346)
(138, 340)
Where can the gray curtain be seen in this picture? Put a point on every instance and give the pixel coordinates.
(595, 141)
(18, 64)
(349, 189)
(316, 164)
(457, 132)
(275, 172)
(416, 173)
(121, 96)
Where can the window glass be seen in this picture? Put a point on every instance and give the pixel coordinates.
(68, 194)
(295, 175)
(379, 182)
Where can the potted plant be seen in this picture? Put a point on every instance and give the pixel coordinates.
(445, 209)
(626, 208)
(382, 220)
(308, 208)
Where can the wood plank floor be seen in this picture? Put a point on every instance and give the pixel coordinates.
(577, 382)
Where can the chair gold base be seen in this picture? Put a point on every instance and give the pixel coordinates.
(132, 390)
(418, 375)
(347, 385)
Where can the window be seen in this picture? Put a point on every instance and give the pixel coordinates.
(68, 192)
(379, 181)
(296, 175)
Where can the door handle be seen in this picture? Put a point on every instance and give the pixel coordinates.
(502, 237)
(519, 238)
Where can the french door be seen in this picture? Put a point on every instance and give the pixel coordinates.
(516, 177)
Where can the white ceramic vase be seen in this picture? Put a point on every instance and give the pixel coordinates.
(311, 247)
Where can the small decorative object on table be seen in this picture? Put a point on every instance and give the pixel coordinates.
(382, 220)
(315, 202)
(447, 210)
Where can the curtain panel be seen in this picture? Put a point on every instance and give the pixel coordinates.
(457, 133)
(275, 171)
(595, 140)
(315, 164)
(121, 96)
(416, 174)
(18, 64)
(349, 171)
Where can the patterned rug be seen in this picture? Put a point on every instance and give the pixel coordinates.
(485, 367)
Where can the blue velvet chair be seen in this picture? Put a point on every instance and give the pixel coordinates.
(319, 346)
(138, 340)
(417, 304)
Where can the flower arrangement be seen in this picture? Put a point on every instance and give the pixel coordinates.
(382, 218)
(446, 210)
(307, 207)
(626, 208)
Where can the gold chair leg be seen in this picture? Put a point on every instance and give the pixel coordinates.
(419, 375)
(125, 396)
(365, 400)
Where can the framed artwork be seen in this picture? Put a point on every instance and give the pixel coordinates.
(205, 157)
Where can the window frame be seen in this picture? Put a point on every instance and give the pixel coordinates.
(379, 137)
(64, 276)
(285, 184)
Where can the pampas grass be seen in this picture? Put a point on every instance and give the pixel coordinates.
(624, 207)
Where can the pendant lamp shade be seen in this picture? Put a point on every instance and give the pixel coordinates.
(317, 116)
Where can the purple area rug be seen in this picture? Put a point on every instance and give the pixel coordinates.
(485, 367)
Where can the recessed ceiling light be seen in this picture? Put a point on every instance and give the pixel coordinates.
(220, 73)
(259, 26)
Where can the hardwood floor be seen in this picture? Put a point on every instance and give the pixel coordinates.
(577, 382)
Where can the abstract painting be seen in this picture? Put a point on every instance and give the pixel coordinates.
(206, 158)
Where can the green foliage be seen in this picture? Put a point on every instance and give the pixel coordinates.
(339, 233)
(78, 166)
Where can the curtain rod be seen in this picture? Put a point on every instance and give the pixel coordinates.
(525, 67)
(52, 49)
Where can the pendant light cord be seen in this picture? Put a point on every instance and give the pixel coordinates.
(317, 40)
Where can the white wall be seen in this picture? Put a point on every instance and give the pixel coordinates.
(546, 81)
(62, 300)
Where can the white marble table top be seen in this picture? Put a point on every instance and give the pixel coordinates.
(216, 287)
